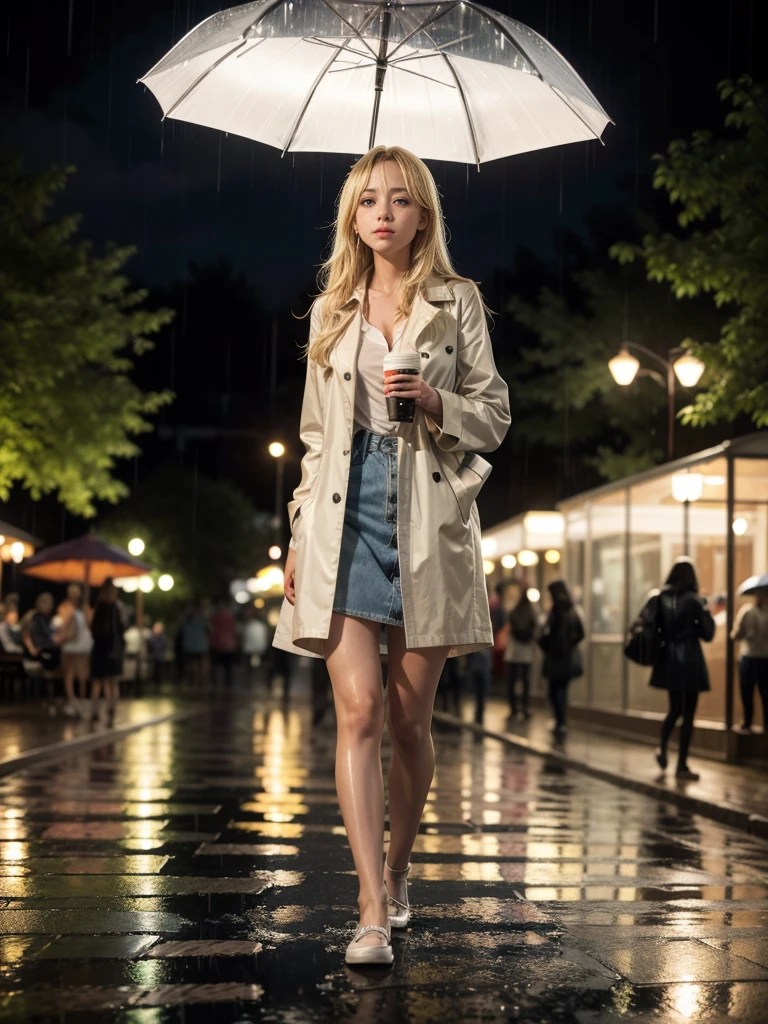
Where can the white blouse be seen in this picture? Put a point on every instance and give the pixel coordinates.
(370, 403)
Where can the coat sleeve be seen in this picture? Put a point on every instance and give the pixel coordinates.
(310, 429)
(476, 415)
(705, 624)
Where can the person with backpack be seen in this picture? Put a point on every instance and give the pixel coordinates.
(563, 632)
(672, 625)
(518, 656)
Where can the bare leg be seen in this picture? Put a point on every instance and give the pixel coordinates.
(95, 695)
(411, 688)
(354, 665)
(69, 683)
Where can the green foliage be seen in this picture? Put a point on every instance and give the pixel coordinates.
(566, 373)
(203, 532)
(721, 184)
(69, 329)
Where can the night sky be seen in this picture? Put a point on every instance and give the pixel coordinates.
(185, 194)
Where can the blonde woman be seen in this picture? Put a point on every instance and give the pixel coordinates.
(385, 555)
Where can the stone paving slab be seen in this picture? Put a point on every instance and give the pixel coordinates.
(138, 864)
(81, 922)
(96, 947)
(204, 947)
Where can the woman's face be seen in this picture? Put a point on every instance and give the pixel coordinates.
(388, 217)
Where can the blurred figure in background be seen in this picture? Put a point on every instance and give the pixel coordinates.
(74, 636)
(479, 669)
(223, 636)
(499, 627)
(157, 650)
(680, 668)
(195, 644)
(107, 628)
(10, 632)
(751, 629)
(255, 639)
(563, 632)
(521, 647)
(450, 685)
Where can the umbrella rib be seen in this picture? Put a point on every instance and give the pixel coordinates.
(201, 76)
(420, 28)
(489, 16)
(420, 74)
(561, 96)
(311, 93)
(357, 32)
(467, 111)
(436, 53)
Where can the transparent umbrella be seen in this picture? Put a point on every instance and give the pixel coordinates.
(449, 81)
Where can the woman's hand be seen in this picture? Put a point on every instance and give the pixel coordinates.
(289, 576)
(410, 385)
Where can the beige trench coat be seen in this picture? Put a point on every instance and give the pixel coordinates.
(445, 600)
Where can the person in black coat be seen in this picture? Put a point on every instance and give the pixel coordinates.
(680, 668)
(563, 632)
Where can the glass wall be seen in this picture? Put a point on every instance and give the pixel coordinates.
(576, 535)
(606, 607)
(750, 527)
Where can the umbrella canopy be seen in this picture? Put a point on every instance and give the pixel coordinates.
(87, 560)
(753, 584)
(448, 81)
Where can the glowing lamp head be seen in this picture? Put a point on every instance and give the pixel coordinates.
(740, 526)
(624, 367)
(688, 370)
(687, 486)
(276, 449)
(136, 546)
(165, 582)
(488, 566)
(528, 558)
(275, 552)
(552, 557)
(146, 584)
(533, 595)
(17, 551)
(508, 561)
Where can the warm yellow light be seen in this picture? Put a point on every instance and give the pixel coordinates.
(136, 546)
(242, 597)
(17, 551)
(127, 583)
(5, 552)
(543, 522)
(146, 584)
(488, 546)
(276, 449)
(268, 579)
(624, 367)
(488, 566)
(687, 486)
(259, 602)
(165, 582)
(528, 558)
(552, 556)
(273, 616)
(275, 551)
(740, 526)
(2, 539)
(688, 370)
(533, 595)
(508, 561)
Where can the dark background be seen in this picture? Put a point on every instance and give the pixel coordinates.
(231, 235)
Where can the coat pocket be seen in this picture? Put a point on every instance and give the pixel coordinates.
(466, 472)
(299, 515)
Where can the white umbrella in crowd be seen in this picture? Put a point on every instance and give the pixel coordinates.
(449, 81)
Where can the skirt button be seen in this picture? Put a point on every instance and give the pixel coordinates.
(347, 376)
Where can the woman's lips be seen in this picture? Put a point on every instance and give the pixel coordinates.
(383, 231)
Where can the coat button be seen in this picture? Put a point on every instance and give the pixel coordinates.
(337, 498)
(449, 349)
(346, 451)
(347, 376)
(436, 477)
(425, 355)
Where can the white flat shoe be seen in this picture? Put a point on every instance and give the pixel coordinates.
(399, 910)
(369, 954)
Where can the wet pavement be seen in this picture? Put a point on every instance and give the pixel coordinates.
(739, 789)
(199, 871)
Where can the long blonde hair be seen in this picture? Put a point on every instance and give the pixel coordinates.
(350, 258)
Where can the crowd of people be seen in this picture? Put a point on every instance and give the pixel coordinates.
(678, 616)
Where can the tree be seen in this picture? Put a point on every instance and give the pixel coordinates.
(204, 532)
(721, 185)
(69, 327)
(611, 428)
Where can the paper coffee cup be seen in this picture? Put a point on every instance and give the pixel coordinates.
(400, 409)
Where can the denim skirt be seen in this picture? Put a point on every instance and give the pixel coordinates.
(368, 579)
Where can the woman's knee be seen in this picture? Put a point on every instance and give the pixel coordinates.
(361, 719)
(408, 731)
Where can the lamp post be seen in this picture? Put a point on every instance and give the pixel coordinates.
(277, 450)
(686, 368)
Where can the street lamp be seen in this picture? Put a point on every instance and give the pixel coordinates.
(277, 450)
(686, 368)
(136, 546)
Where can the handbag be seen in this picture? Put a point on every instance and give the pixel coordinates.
(646, 638)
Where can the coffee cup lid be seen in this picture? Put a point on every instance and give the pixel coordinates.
(408, 360)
